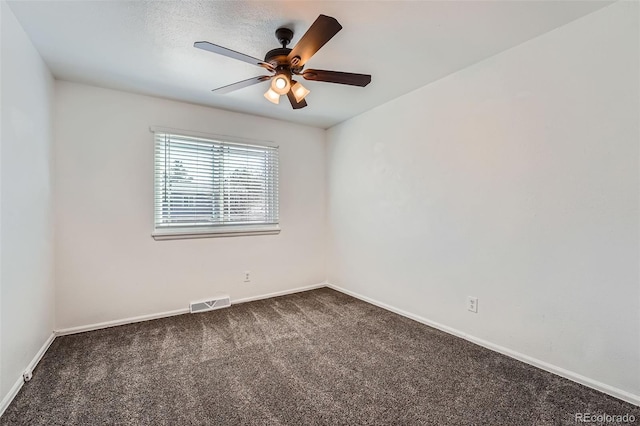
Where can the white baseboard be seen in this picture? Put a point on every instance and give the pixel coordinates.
(114, 323)
(30, 367)
(575, 377)
(278, 293)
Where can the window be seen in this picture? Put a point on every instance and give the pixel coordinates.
(209, 187)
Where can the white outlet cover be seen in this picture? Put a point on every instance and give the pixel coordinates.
(472, 304)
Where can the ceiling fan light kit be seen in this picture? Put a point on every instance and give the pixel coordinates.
(283, 63)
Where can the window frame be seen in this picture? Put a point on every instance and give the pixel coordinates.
(220, 230)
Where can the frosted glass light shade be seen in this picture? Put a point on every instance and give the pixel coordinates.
(280, 84)
(272, 96)
(299, 91)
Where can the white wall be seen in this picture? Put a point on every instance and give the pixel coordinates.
(26, 256)
(514, 180)
(107, 265)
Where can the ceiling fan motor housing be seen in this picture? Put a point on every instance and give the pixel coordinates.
(279, 57)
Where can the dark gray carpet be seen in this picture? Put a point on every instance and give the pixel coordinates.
(318, 357)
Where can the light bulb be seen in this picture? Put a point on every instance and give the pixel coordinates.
(299, 91)
(272, 96)
(280, 84)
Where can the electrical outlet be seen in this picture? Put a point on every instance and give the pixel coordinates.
(247, 276)
(472, 304)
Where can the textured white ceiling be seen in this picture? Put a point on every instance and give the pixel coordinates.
(147, 46)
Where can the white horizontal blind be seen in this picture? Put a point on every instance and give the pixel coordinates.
(209, 183)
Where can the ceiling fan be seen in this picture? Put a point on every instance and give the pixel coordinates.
(284, 63)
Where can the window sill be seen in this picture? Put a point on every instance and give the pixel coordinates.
(222, 231)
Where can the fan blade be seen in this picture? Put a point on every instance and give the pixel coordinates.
(205, 45)
(295, 104)
(318, 34)
(337, 77)
(241, 84)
